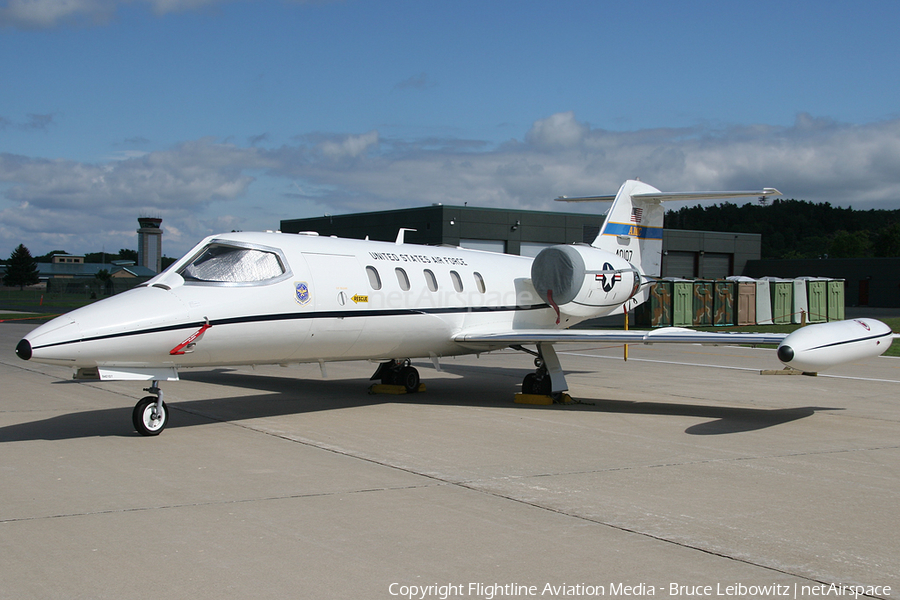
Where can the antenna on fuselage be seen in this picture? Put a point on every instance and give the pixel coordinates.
(401, 233)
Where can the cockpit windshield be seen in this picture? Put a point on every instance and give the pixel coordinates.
(235, 265)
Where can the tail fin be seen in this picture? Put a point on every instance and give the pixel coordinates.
(633, 227)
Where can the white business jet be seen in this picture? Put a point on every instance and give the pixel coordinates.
(273, 298)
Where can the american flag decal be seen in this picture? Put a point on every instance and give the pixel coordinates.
(636, 214)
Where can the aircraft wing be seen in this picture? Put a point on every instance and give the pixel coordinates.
(811, 348)
(665, 335)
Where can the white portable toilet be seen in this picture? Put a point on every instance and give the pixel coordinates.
(800, 301)
(763, 302)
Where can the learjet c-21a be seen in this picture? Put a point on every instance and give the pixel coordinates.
(273, 298)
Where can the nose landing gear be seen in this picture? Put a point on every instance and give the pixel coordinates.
(150, 415)
(398, 372)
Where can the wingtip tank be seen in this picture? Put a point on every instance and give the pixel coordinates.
(824, 345)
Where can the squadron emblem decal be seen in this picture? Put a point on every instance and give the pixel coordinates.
(301, 294)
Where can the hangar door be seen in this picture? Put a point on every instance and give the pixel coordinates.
(716, 265)
(681, 264)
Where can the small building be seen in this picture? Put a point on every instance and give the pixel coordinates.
(66, 259)
(77, 277)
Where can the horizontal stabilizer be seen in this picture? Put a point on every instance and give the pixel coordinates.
(672, 196)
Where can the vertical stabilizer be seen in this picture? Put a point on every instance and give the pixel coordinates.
(633, 228)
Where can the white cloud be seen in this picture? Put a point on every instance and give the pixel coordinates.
(202, 186)
(40, 14)
(559, 130)
(44, 14)
(350, 146)
(161, 7)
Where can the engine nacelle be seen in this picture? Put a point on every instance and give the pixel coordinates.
(583, 281)
(818, 347)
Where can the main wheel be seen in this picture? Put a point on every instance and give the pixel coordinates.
(409, 379)
(534, 385)
(145, 419)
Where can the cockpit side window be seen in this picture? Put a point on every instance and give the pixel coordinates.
(235, 265)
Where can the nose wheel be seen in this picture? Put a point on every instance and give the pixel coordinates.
(150, 415)
(398, 372)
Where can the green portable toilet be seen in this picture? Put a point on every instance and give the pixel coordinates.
(835, 299)
(702, 303)
(723, 302)
(781, 291)
(682, 303)
(816, 299)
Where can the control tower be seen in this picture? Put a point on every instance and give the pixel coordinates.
(150, 243)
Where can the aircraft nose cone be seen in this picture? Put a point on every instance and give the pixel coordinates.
(785, 354)
(23, 350)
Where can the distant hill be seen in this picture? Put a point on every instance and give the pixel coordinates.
(800, 229)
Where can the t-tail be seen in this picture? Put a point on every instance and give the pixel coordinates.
(633, 228)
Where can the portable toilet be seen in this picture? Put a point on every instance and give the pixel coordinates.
(745, 300)
(763, 302)
(657, 310)
(702, 303)
(723, 302)
(781, 291)
(661, 304)
(835, 299)
(799, 303)
(682, 302)
(816, 299)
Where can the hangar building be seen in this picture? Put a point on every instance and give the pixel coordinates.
(687, 254)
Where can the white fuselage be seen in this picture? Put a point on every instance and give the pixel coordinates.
(332, 299)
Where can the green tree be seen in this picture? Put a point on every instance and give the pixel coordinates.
(847, 244)
(45, 258)
(21, 269)
(125, 254)
(887, 243)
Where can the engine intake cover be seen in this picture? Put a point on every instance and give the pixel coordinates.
(583, 281)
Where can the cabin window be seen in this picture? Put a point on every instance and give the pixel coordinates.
(457, 281)
(226, 264)
(374, 278)
(402, 279)
(431, 280)
(479, 282)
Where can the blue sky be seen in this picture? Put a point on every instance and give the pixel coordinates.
(229, 114)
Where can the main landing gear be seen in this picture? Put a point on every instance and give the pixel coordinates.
(398, 372)
(548, 378)
(150, 415)
(537, 383)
